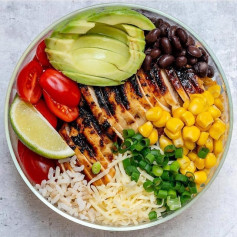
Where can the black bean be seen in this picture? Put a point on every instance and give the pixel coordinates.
(165, 45)
(164, 29)
(159, 22)
(210, 71)
(192, 60)
(171, 31)
(155, 53)
(176, 43)
(181, 61)
(147, 63)
(190, 41)
(181, 53)
(148, 51)
(157, 44)
(204, 55)
(201, 69)
(183, 36)
(152, 36)
(194, 51)
(166, 60)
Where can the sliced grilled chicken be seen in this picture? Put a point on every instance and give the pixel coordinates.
(89, 152)
(132, 104)
(173, 78)
(99, 109)
(145, 85)
(185, 81)
(117, 109)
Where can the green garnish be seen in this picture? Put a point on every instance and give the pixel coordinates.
(202, 153)
(96, 167)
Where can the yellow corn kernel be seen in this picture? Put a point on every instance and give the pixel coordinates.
(153, 137)
(200, 177)
(209, 97)
(179, 142)
(215, 112)
(184, 162)
(218, 103)
(185, 150)
(210, 160)
(204, 119)
(178, 112)
(215, 90)
(190, 145)
(174, 125)
(164, 142)
(154, 114)
(191, 168)
(191, 133)
(218, 146)
(186, 104)
(197, 105)
(217, 129)
(192, 156)
(172, 135)
(207, 171)
(203, 138)
(199, 163)
(146, 129)
(204, 129)
(209, 144)
(163, 120)
(188, 118)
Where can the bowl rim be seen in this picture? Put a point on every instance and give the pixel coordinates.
(74, 219)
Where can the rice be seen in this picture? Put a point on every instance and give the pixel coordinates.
(120, 202)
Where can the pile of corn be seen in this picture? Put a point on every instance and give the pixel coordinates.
(195, 125)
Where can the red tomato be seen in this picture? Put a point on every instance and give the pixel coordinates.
(63, 112)
(43, 109)
(41, 55)
(28, 82)
(60, 88)
(35, 166)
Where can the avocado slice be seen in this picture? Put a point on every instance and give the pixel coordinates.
(131, 31)
(88, 41)
(77, 27)
(115, 33)
(91, 80)
(125, 16)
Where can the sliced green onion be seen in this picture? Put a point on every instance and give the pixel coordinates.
(159, 201)
(122, 150)
(132, 147)
(128, 133)
(172, 193)
(155, 152)
(145, 151)
(166, 185)
(192, 187)
(135, 176)
(152, 216)
(202, 153)
(165, 161)
(173, 203)
(126, 163)
(148, 186)
(160, 159)
(157, 170)
(185, 196)
(148, 168)
(134, 162)
(166, 167)
(150, 158)
(181, 178)
(139, 146)
(96, 167)
(162, 194)
(146, 141)
(156, 181)
(179, 153)
(137, 137)
(179, 187)
(138, 157)
(166, 175)
(128, 142)
(169, 148)
(115, 148)
(130, 169)
(174, 166)
(192, 177)
(142, 164)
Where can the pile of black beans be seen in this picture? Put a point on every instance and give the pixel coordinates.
(171, 46)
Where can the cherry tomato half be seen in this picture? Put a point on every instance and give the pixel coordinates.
(63, 112)
(35, 166)
(28, 82)
(41, 55)
(43, 109)
(60, 88)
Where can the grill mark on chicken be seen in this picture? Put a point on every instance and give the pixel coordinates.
(185, 81)
(195, 81)
(176, 84)
(101, 113)
(136, 87)
(123, 96)
(145, 85)
(125, 119)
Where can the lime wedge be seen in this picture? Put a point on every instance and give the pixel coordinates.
(36, 132)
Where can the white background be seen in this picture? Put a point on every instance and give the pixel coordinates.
(22, 214)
